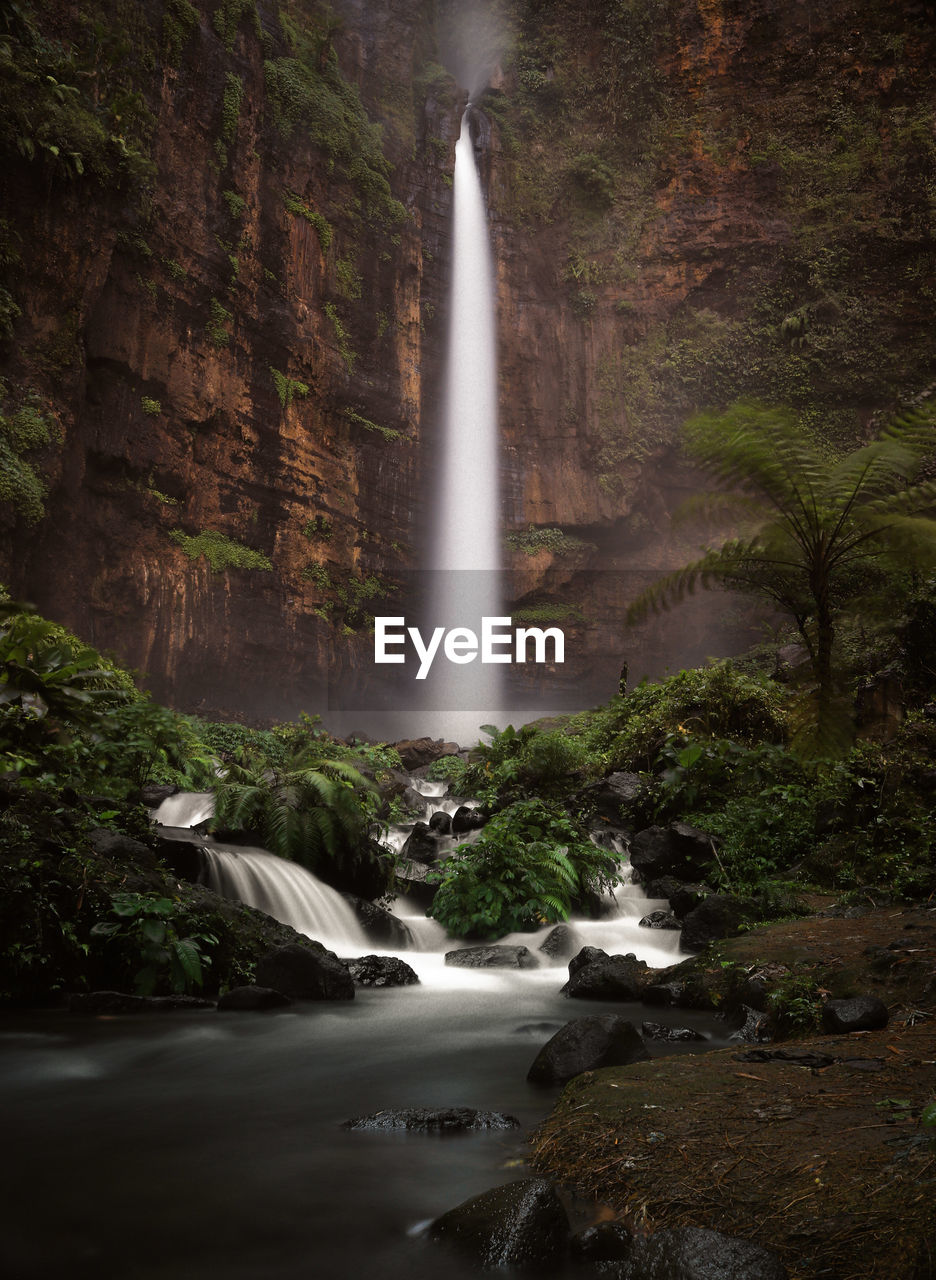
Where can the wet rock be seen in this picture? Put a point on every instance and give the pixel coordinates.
(587, 955)
(305, 972)
(413, 801)
(516, 1225)
(183, 850)
(695, 1253)
(559, 942)
(381, 971)
(677, 850)
(466, 819)
(616, 792)
(415, 753)
(660, 1031)
(411, 880)
(249, 999)
(441, 823)
(110, 1002)
(154, 793)
(861, 1013)
(719, 916)
(421, 845)
(664, 993)
(614, 978)
(751, 1025)
(585, 1044)
(660, 920)
(433, 1119)
(380, 925)
(493, 957)
(121, 848)
(605, 1242)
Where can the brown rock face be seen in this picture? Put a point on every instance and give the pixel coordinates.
(689, 202)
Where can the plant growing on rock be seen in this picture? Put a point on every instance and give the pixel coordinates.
(815, 531)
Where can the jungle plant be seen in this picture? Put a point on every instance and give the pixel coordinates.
(147, 930)
(815, 531)
(529, 867)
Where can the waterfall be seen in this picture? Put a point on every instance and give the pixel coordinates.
(287, 892)
(466, 555)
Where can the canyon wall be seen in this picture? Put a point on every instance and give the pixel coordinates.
(230, 309)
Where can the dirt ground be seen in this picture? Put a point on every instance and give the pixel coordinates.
(812, 1146)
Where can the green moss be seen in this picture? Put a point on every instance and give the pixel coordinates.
(287, 388)
(341, 336)
(533, 540)
(228, 17)
(220, 551)
(23, 431)
(315, 219)
(236, 204)
(388, 433)
(318, 527)
(175, 271)
(231, 100)
(152, 408)
(180, 21)
(216, 328)
(350, 284)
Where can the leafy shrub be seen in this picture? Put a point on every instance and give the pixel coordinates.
(22, 432)
(220, 551)
(147, 930)
(530, 865)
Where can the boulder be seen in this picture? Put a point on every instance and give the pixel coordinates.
(560, 942)
(441, 823)
(466, 819)
(614, 978)
(381, 971)
(381, 926)
(433, 1119)
(660, 920)
(587, 955)
(861, 1013)
(421, 845)
(412, 880)
(718, 916)
(497, 956)
(584, 1044)
(183, 849)
(616, 792)
(665, 993)
(413, 801)
(154, 793)
(111, 1002)
(677, 850)
(517, 1225)
(673, 1035)
(305, 972)
(695, 1253)
(248, 999)
(120, 848)
(417, 752)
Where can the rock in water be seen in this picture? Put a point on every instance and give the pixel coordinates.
(305, 973)
(381, 926)
(560, 942)
(511, 1226)
(249, 999)
(494, 957)
(613, 978)
(433, 1119)
(381, 971)
(584, 1044)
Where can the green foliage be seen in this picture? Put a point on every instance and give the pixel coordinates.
(817, 530)
(530, 865)
(236, 204)
(595, 177)
(147, 930)
(287, 388)
(341, 337)
(795, 1005)
(21, 432)
(534, 539)
(349, 591)
(348, 279)
(231, 101)
(318, 527)
(310, 91)
(388, 433)
(216, 328)
(180, 21)
(220, 551)
(228, 17)
(152, 408)
(315, 219)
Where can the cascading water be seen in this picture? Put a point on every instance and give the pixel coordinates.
(466, 555)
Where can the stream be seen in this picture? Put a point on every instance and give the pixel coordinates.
(199, 1144)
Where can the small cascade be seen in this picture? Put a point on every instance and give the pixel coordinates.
(185, 809)
(288, 893)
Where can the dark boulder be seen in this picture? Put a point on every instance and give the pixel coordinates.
(861, 1013)
(587, 955)
(381, 971)
(411, 879)
(664, 993)
(249, 999)
(585, 1044)
(441, 823)
(111, 1002)
(413, 801)
(660, 920)
(677, 850)
(605, 1242)
(466, 819)
(421, 845)
(417, 752)
(614, 978)
(615, 794)
(560, 942)
(183, 849)
(381, 926)
(673, 1035)
(433, 1119)
(719, 916)
(682, 896)
(516, 1225)
(305, 972)
(120, 848)
(493, 957)
(154, 793)
(695, 1253)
